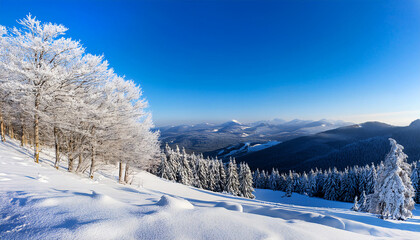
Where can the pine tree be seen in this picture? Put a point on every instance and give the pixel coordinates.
(371, 179)
(185, 172)
(212, 175)
(164, 170)
(364, 206)
(255, 178)
(415, 179)
(223, 178)
(263, 180)
(273, 180)
(332, 187)
(355, 205)
(289, 183)
(232, 183)
(304, 181)
(215, 175)
(245, 181)
(393, 193)
(312, 183)
(203, 173)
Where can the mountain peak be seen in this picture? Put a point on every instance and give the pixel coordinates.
(415, 123)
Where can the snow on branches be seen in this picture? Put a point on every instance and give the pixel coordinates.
(56, 95)
(209, 174)
(393, 191)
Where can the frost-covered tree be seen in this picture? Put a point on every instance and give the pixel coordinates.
(312, 183)
(45, 65)
(393, 193)
(223, 177)
(355, 205)
(364, 205)
(245, 181)
(273, 180)
(289, 184)
(74, 102)
(256, 177)
(203, 173)
(415, 179)
(332, 187)
(232, 181)
(212, 175)
(185, 174)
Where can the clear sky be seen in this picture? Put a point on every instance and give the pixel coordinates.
(252, 60)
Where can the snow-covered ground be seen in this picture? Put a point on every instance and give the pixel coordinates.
(40, 202)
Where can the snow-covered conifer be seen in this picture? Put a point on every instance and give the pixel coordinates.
(393, 193)
(245, 181)
(232, 182)
(355, 205)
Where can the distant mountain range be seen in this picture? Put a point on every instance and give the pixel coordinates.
(358, 144)
(207, 137)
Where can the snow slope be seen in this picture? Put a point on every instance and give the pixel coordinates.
(39, 202)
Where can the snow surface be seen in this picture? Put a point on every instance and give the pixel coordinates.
(258, 147)
(246, 148)
(40, 202)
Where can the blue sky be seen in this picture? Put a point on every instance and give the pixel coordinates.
(251, 60)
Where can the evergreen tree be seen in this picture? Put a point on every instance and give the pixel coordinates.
(255, 178)
(232, 183)
(184, 172)
(304, 181)
(202, 173)
(371, 179)
(212, 175)
(355, 205)
(273, 180)
(263, 180)
(332, 187)
(164, 170)
(364, 205)
(223, 178)
(393, 192)
(312, 183)
(289, 185)
(415, 179)
(245, 181)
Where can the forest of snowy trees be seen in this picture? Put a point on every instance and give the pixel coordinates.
(209, 174)
(393, 180)
(55, 95)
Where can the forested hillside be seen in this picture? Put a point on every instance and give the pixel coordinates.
(347, 146)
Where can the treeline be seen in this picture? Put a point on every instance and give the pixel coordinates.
(55, 95)
(210, 174)
(330, 184)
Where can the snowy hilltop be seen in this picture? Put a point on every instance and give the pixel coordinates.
(208, 137)
(39, 202)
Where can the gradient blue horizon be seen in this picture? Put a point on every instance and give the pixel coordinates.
(252, 60)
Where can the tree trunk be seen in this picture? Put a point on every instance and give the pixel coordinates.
(120, 175)
(36, 129)
(3, 138)
(57, 148)
(79, 164)
(92, 164)
(12, 134)
(71, 155)
(22, 139)
(126, 173)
